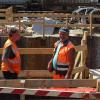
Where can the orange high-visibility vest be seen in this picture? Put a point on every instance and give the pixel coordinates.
(16, 62)
(63, 59)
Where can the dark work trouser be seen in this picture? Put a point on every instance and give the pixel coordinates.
(9, 75)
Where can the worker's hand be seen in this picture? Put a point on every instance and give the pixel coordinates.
(50, 67)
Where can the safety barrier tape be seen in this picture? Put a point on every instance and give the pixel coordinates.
(44, 92)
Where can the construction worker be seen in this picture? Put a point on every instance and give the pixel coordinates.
(64, 56)
(11, 62)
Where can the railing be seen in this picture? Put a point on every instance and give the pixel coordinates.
(12, 17)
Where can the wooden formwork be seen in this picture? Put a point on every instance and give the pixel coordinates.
(80, 68)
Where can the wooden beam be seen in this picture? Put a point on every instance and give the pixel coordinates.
(35, 74)
(95, 25)
(8, 83)
(39, 15)
(3, 10)
(96, 16)
(43, 83)
(42, 73)
(81, 47)
(43, 50)
(34, 50)
(78, 69)
(98, 86)
(48, 83)
(2, 15)
(77, 59)
(76, 76)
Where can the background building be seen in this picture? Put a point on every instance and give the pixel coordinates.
(48, 5)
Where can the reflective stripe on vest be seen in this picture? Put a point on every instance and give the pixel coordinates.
(61, 69)
(59, 63)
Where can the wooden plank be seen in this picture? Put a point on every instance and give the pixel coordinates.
(43, 83)
(91, 24)
(95, 25)
(78, 25)
(46, 15)
(44, 73)
(8, 83)
(42, 50)
(35, 74)
(98, 86)
(36, 83)
(2, 15)
(3, 10)
(81, 47)
(39, 15)
(33, 83)
(77, 59)
(76, 76)
(41, 73)
(77, 15)
(85, 73)
(78, 69)
(36, 50)
(2, 21)
(96, 16)
(46, 25)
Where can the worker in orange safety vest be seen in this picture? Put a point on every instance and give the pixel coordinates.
(63, 59)
(11, 62)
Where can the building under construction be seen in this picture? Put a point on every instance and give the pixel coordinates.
(35, 81)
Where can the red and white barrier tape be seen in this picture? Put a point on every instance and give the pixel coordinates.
(44, 92)
(48, 92)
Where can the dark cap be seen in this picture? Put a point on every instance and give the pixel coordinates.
(65, 30)
(12, 31)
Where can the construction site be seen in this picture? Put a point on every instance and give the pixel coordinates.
(39, 31)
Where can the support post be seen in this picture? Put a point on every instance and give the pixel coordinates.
(91, 24)
(9, 14)
(43, 27)
(85, 73)
(98, 85)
